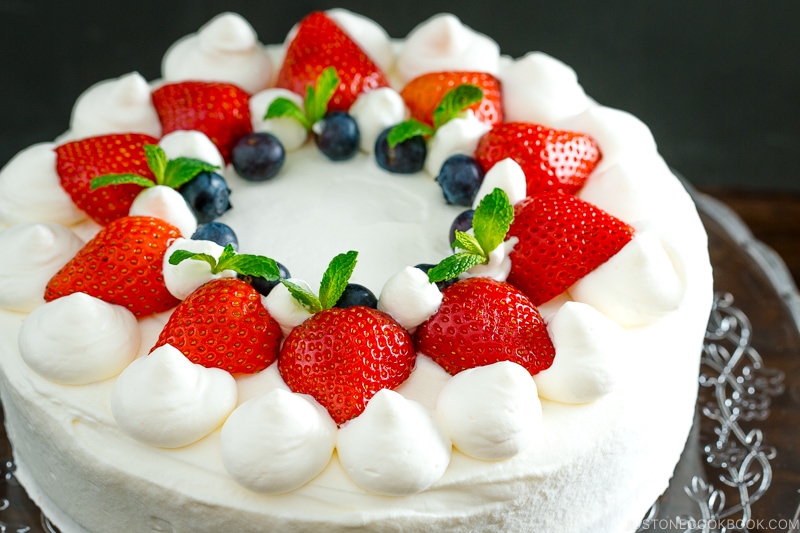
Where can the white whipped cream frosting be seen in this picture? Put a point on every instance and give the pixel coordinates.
(30, 190)
(288, 130)
(79, 339)
(443, 43)
(182, 279)
(541, 89)
(374, 111)
(636, 286)
(225, 49)
(409, 297)
(199, 399)
(167, 204)
(506, 175)
(491, 412)
(459, 135)
(34, 253)
(499, 265)
(589, 350)
(119, 105)
(285, 308)
(277, 442)
(395, 447)
(192, 144)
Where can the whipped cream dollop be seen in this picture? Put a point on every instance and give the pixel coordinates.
(285, 308)
(443, 43)
(30, 189)
(459, 135)
(182, 279)
(225, 49)
(34, 253)
(491, 412)
(541, 89)
(506, 175)
(288, 130)
(499, 265)
(79, 339)
(368, 35)
(277, 442)
(395, 447)
(199, 399)
(167, 204)
(374, 111)
(193, 144)
(589, 350)
(636, 286)
(119, 105)
(409, 297)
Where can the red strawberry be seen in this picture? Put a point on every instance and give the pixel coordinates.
(552, 160)
(78, 162)
(482, 321)
(121, 265)
(220, 110)
(342, 357)
(423, 94)
(320, 43)
(223, 324)
(561, 239)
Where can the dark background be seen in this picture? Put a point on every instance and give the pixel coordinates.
(717, 81)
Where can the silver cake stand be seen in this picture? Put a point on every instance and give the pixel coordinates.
(740, 470)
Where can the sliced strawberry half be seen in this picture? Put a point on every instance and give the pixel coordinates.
(220, 110)
(343, 357)
(561, 239)
(552, 160)
(482, 321)
(78, 162)
(121, 265)
(223, 324)
(320, 43)
(423, 94)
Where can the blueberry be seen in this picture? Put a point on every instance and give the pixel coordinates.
(262, 285)
(425, 267)
(208, 195)
(217, 232)
(337, 135)
(460, 178)
(355, 294)
(406, 157)
(462, 222)
(258, 156)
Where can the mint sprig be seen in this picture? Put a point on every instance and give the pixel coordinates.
(169, 172)
(316, 101)
(244, 264)
(454, 102)
(490, 225)
(334, 281)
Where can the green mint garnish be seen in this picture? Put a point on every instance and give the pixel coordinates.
(490, 224)
(454, 101)
(244, 264)
(316, 101)
(171, 173)
(334, 281)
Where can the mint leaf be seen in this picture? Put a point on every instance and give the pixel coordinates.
(317, 97)
(156, 160)
(179, 256)
(406, 130)
(283, 107)
(492, 219)
(455, 101)
(183, 169)
(335, 278)
(452, 266)
(119, 179)
(244, 264)
(306, 299)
